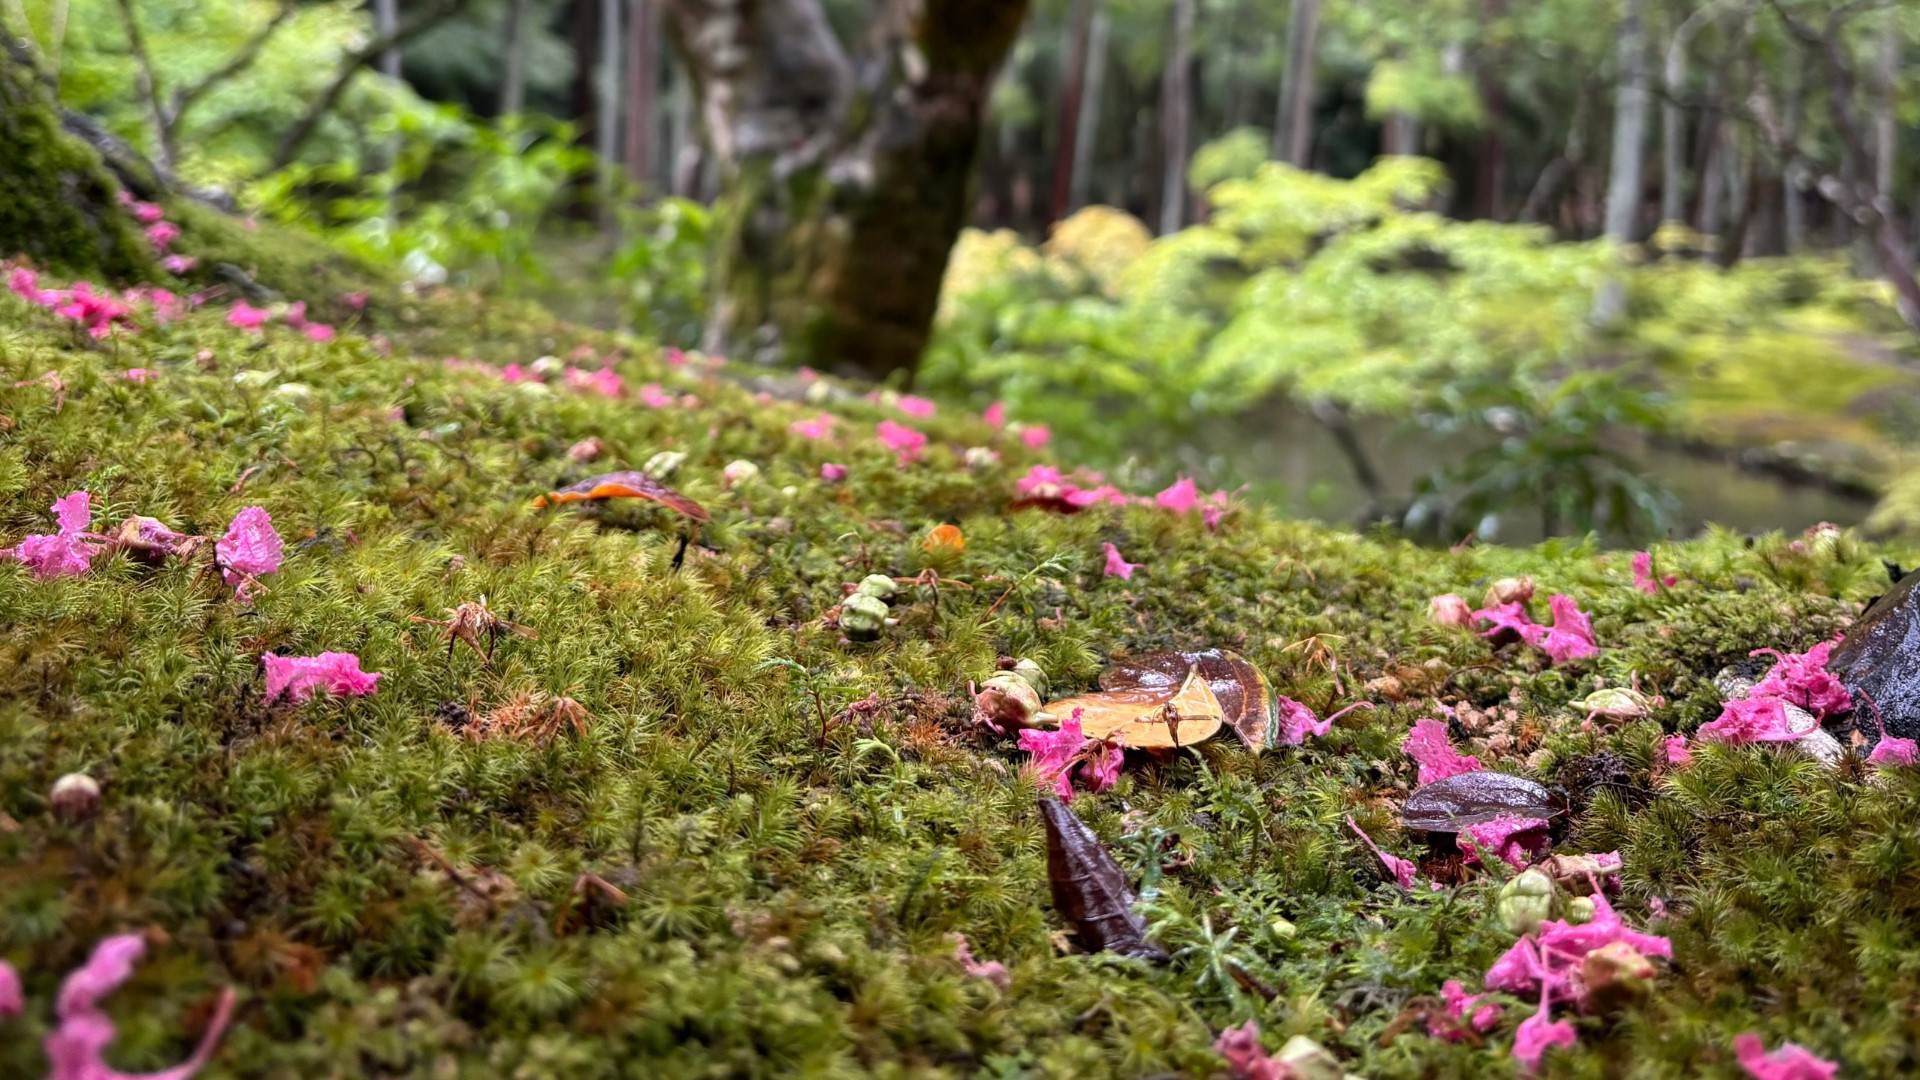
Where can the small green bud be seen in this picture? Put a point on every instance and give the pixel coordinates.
(1580, 909)
(1524, 902)
(1616, 703)
(1035, 677)
(862, 616)
(878, 586)
(664, 464)
(1282, 929)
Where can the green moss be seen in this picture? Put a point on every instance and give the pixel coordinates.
(788, 896)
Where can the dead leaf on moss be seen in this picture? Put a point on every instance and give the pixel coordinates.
(1151, 717)
(1475, 798)
(1246, 700)
(1090, 890)
(625, 485)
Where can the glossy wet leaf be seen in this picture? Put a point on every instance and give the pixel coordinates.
(625, 485)
(1089, 889)
(1475, 798)
(1158, 717)
(1246, 700)
(1876, 660)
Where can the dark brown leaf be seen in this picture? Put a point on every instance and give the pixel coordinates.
(1246, 700)
(1474, 798)
(625, 485)
(1089, 889)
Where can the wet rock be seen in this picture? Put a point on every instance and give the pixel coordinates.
(1879, 659)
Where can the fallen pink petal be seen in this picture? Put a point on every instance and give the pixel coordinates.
(993, 971)
(76, 1048)
(1790, 1062)
(247, 317)
(250, 549)
(1036, 435)
(1513, 839)
(1403, 871)
(300, 677)
(1054, 754)
(1117, 566)
(1428, 745)
(832, 473)
(906, 443)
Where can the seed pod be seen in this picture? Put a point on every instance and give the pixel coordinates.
(738, 473)
(1513, 590)
(1447, 609)
(664, 464)
(1580, 910)
(862, 616)
(878, 586)
(1004, 701)
(1615, 975)
(1035, 677)
(75, 797)
(1524, 902)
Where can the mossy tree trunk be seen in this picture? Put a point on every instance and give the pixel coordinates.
(58, 201)
(848, 171)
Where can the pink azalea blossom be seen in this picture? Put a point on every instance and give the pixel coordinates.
(1802, 679)
(1402, 871)
(298, 677)
(1096, 496)
(355, 300)
(76, 1048)
(1429, 746)
(654, 397)
(1117, 566)
(13, 1000)
(996, 414)
(1466, 1012)
(1643, 578)
(1790, 1062)
(162, 234)
(675, 358)
(25, 284)
(1044, 481)
(318, 332)
(1572, 635)
(137, 374)
(1750, 720)
(250, 548)
(993, 971)
(603, 381)
(247, 317)
(1892, 751)
(1054, 754)
(1511, 617)
(179, 264)
(1245, 1059)
(67, 552)
(1676, 749)
(1551, 957)
(906, 443)
(818, 427)
(97, 311)
(1036, 435)
(1297, 721)
(146, 213)
(1511, 838)
(1213, 510)
(832, 473)
(1180, 498)
(1536, 1033)
(915, 406)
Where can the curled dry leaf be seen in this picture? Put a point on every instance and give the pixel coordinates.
(1089, 889)
(1475, 798)
(1159, 717)
(1246, 701)
(625, 485)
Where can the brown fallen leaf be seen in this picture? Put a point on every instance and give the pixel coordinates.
(625, 485)
(1089, 889)
(1475, 798)
(1159, 717)
(1246, 701)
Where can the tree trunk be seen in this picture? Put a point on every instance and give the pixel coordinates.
(606, 128)
(1086, 136)
(386, 20)
(513, 85)
(1400, 135)
(1490, 173)
(1885, 125)
(60, 206)
(1176, 118)
(1293, 128)
(643, 76)
(846, 178)
(1629, 127)
(1073, 95)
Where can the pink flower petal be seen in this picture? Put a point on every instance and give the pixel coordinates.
(993, 971)
(247, 317)
(1036, 435)
(299, 677)
(1676, 749)
(1572, 635)
(13, 1000)
(1892, 751)
(1509, 837)
(818, 427)
(906, 443)
(1465, 1010)
(833, 473)
(1429, 746)
(1790, 1062)
(1117, 566)
(1054, 753)
(250, 547)
(1536, 1033)
(916, 406)
(1245, 1059)
(1403, 871)
(1802, 679)
(996, 414)
(1181, 497)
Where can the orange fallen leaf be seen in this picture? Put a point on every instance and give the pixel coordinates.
(625, 485)
(945, 538)
(1158, 717)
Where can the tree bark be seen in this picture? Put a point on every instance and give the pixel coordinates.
(513, 84)
(846, 176)
(386, 20)
(1629, 126)
(643, 76)
(606, 129)
(1490, 172)
(1073, 95)
(1293, 128)
(1086, 135)
(1886, 132)
(1176, 118)
(61, 204)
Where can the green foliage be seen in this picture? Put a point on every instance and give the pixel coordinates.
(789, 896)
(665, 260)
(1426, 93)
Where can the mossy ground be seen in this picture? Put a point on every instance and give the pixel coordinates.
(790, 894)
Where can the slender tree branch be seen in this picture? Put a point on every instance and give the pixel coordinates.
(187, 96)
(145, 85)
(303, 128)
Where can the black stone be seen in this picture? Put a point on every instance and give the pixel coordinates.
(1879, 660)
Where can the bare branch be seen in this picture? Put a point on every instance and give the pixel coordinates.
(145, 85)
(303, 128)
(187, 96)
